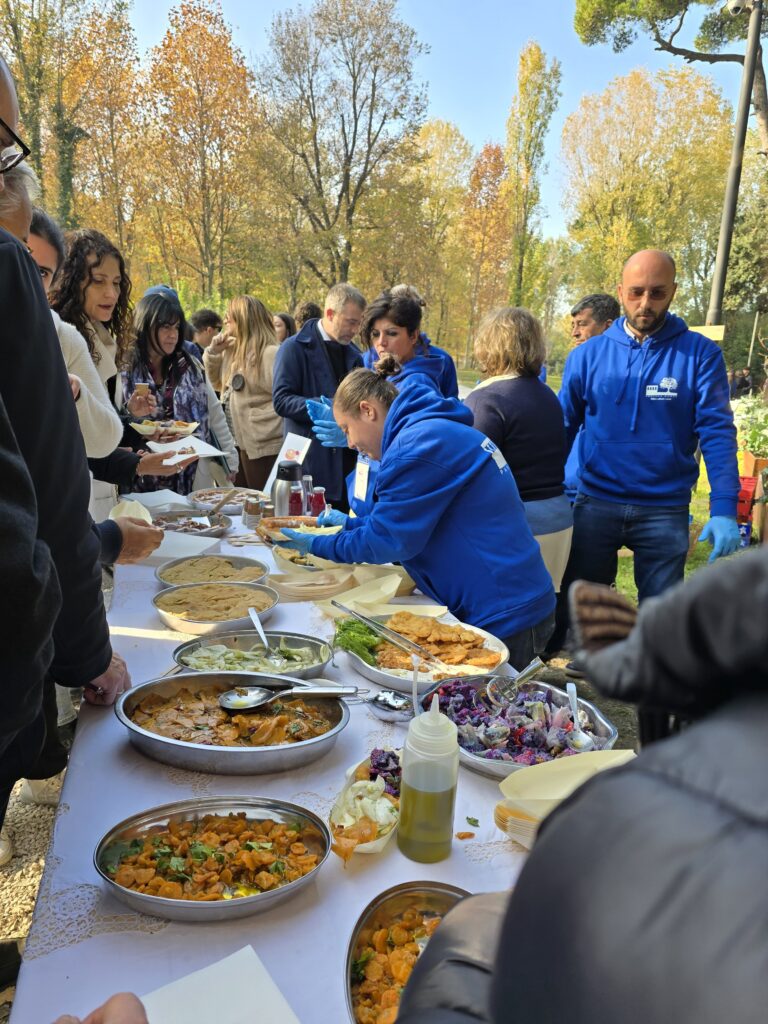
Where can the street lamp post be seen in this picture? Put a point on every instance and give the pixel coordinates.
(715, 312)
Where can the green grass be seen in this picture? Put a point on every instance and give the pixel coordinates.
(470, 377)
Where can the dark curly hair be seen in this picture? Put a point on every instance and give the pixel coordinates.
(153, 312)
(401, 309)
(86, 249)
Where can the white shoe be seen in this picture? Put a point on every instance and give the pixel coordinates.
(6, 847)
(43, 792)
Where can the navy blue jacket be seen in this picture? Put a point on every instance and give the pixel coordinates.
(448, 509)
(303, 370)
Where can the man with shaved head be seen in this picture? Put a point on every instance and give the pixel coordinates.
(648, 392)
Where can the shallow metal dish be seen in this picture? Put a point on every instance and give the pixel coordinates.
(227, 760)
(232, 508)
(239, 562)
(249, 639)
(199, 627)
(403, 683)
(604, 730)
(438, 897)
(186, 810)
(219, 523)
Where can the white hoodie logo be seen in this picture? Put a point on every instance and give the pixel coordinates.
(488, 446)
(665, 390)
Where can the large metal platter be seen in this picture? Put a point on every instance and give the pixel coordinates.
(238, 561)
(227, 760)
(403, 683)
(248, 639)
(437, 897)
(185, 810)
(199, 627)
(605, 730)
(233, 507)
(219, 523)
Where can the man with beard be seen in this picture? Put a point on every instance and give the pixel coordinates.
(647, 392)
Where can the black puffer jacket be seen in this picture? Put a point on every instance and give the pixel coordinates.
(644, 900)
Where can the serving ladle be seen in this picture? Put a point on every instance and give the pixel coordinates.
(250, 698)
(577, 739)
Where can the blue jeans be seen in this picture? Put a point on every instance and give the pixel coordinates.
(658, 536)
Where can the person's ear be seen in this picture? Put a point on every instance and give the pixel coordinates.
(367, 411)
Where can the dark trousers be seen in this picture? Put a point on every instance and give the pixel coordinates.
(18, 753)
(253, 473)
(525, 645)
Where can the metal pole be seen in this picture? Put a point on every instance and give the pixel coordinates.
(715, 312)
(752, 343)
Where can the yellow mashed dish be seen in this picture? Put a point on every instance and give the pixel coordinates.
(213, 602)
(211, 569)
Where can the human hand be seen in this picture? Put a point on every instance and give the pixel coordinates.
(153, 464)
(722, 532)
(320, 412)
(74, 383)
(600, 616)
(106, 688)
(124, 1008)
(301, 542)
(142, 406)
(140, 539)
(329, 434)
(220, 342)
(332, 517)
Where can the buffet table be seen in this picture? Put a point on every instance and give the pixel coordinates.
(84, 945)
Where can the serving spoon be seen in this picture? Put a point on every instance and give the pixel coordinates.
(250, 698)
(577, 739)
(271, 655)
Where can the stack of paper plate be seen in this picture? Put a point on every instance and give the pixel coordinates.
(317, 586)
(532, 793)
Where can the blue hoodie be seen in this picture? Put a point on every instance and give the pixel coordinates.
(644, 409)
(433, 361)
(448, 509)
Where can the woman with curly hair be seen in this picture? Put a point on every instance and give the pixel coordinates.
(240, 362)
(159, 358)
(92, 291)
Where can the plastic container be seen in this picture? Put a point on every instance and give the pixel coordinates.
(306, 482)
(428, 787)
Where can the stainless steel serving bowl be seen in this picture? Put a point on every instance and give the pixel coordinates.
(605, 732)
(219, 523)
(435, 897)
(158, 818)
(227, 760)
(201, 627)
(238, 561)
(249, 639)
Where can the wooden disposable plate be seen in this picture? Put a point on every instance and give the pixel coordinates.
(269, 528)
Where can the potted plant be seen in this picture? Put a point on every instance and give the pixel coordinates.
(751, 417)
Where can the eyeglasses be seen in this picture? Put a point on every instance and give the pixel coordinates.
(11, 152)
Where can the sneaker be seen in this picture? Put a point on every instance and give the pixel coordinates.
(572, 671)
(6, 847)
(43, 792)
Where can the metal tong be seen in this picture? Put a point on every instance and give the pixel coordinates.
(396, 639)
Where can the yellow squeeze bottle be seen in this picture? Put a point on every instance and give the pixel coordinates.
(428, 786)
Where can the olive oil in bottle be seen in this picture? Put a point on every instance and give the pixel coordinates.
(428, 788)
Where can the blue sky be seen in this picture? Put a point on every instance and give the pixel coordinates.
(470, 69)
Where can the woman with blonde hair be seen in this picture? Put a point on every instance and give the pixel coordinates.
(240, 363)
(524, 419)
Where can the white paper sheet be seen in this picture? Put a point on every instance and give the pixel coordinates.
(295, 448)
(181, 447)
(164, 498)
(181, 545)
(226, 992)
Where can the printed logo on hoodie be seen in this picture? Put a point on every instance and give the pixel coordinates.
(665, 390)
(488, 446)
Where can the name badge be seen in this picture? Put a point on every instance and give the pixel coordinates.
(361, 479)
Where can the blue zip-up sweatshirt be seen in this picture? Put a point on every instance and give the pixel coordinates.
(448, 509)
(429, 359)
(644, 409)
(303, 370)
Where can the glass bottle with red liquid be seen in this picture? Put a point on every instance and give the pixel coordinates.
(317, 503)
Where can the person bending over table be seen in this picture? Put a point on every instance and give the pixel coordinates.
(447, 508)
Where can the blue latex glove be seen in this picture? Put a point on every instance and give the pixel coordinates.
(722, 532)
(329, 434)
(301, 542)
(320, 412)
(332, 517)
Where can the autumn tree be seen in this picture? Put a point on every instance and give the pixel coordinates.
(538, 92)
(201, 143)
(339, 99)
(719, 38)
(637, 184)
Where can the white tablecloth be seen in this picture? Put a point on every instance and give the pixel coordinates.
(84, 945)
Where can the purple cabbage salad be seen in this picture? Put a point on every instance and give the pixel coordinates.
(386, 763)
(529, 730)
